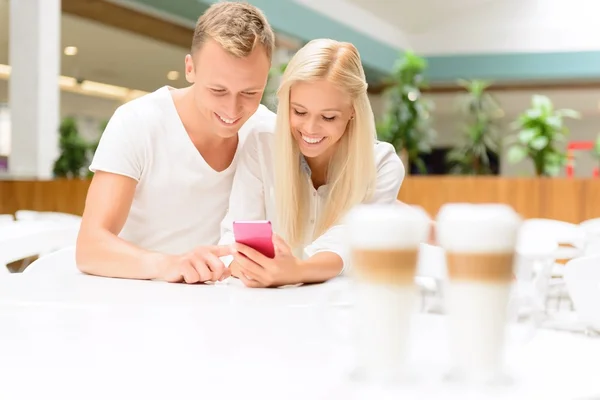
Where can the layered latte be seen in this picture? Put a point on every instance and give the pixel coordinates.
(480, 241)
(384, 242)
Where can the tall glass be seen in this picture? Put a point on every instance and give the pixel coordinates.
(384, 242)
(480, 242)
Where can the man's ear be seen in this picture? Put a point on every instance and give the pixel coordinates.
(190, 70)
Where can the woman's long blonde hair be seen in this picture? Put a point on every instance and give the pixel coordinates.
(351, 173)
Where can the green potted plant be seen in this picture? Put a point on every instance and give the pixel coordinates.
(94, 145)
(481, 132)
(74, 156)
(596, 150)
(541, 129)
(406, 123)
(269, 97)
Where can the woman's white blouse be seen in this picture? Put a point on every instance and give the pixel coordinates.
(252, 193)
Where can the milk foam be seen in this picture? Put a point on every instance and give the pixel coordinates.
(477, 228)
(387, 226)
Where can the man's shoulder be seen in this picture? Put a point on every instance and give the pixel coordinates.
(149, 107)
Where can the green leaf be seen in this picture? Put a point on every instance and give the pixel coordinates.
(539, 142)
(552, 170)
(568, 113)
(531, 114)
(542, 103)
(526, 135)
(516, 154)
(420, 165)
(554, 122)
(554, 158)
(597, 146)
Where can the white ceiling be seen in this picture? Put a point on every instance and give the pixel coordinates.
(412, 16)
(113, 56)
(109, 55)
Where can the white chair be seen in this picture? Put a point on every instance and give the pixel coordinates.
(535, 258)
(569, 240)
(25, 239)
(59, 262)
(431, 275)
(6, 219)
(582, 279)
(569, 237)
(592, 233)
(29, 215)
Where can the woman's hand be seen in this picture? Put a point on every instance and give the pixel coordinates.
(257, 270)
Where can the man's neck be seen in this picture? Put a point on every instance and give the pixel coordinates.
(194, 122)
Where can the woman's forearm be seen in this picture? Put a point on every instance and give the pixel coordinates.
(321, 267)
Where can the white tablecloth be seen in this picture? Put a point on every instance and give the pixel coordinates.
(84, 337)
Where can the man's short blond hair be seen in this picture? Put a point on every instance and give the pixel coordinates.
(238, 27)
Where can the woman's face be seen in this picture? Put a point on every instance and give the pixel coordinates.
(319, 114)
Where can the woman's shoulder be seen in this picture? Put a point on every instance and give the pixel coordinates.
(257, 144)
(260, 139)
(385, 151)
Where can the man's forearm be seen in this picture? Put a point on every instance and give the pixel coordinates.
(321, 267)
(103, 253)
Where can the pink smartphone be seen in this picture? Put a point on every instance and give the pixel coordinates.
(255, 234)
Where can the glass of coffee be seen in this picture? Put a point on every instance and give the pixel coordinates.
(384, 243)
(479, 241)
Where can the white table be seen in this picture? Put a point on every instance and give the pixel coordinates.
(83, 337)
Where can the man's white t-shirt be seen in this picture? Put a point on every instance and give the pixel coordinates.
(179, 200)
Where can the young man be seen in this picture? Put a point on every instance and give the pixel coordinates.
(165, 163)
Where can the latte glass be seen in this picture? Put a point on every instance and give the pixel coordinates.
(384, 242)
(480, 242)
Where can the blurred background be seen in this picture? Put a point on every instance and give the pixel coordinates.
(485, 100)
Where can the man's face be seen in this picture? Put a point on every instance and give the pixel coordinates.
(227, 89)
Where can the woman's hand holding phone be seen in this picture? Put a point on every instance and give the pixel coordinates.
(257, 270)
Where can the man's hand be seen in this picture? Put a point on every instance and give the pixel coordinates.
(257, 270)
(200, 265)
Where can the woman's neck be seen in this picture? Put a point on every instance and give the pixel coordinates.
(318, 168)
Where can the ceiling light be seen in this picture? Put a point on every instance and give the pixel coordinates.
(173, 75)
(104, 89)
(67, 81)
(89, 88)
(5, 70)
(70, 50)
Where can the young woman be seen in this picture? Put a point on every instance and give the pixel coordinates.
(323, 159)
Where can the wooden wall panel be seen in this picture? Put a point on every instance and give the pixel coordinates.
(572, 200)
(591, 200)
(56, 195)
